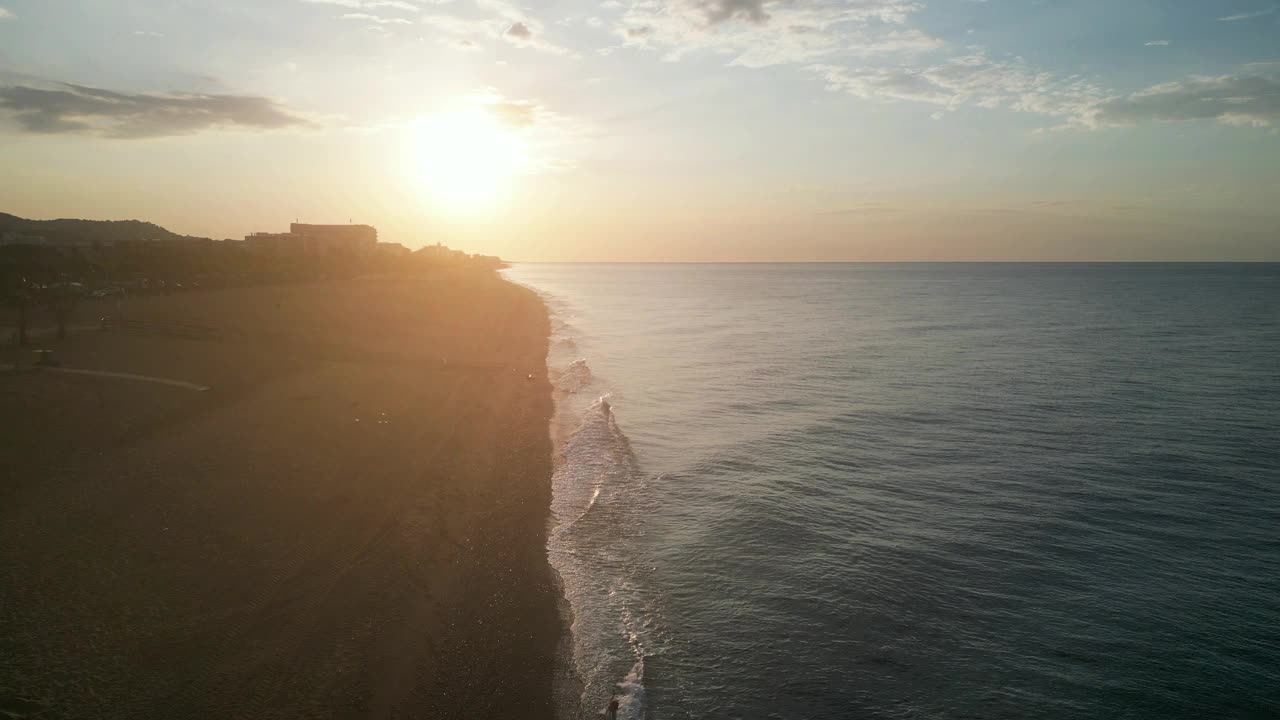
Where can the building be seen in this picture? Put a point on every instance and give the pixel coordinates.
(393, 250)
(346, 238)
(274, 243)
(316, 240)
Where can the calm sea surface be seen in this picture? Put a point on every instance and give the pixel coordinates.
(918, 491)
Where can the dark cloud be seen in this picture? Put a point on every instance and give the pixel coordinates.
(515, 113)
(88, 110)
(1234, 99)
(523, 35)
(718, 11)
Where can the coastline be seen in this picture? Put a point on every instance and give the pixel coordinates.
(567, 685)
(343, 525)
(596, 477)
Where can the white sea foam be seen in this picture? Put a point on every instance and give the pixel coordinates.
(574, 378)
(597, 492)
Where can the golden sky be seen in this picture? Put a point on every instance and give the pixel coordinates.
(660, 130)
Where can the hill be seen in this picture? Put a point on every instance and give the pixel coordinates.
(100, 231)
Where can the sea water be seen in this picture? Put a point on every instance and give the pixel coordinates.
(918, 491)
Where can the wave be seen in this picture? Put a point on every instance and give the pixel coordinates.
(575, 378)
(631, 700)
(598, 506)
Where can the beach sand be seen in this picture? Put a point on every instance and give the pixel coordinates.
(350, 522)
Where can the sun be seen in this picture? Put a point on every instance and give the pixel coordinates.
(465, 160)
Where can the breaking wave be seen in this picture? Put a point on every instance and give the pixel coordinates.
(596, 546)
(574, 378)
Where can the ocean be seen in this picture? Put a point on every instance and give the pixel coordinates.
(917, 490)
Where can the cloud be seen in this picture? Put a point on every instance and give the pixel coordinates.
(367, 17)
(1245, 100)
(760, 33)
(502, 21)
(365, 9)
(515, 113)
(93, 111)
(717, 11)
(1249, 16)
(1248, 100)
(6, 14)
(973, 79)
(394, 4)
(528, 34)
(870, 50)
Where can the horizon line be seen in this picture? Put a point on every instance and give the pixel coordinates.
(892, 262)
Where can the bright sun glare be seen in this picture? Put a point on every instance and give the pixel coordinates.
(466, 159)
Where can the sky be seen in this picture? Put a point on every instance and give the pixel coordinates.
(661, 130)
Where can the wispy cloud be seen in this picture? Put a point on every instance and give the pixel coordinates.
(1250, 99)
(973, 79)
(6, 14)
(870, 49)
(501, 21)
(378, 19)
(1245, 100)
(1249, 15)
(394, 4)
(94, 111)
(760, 33)
(371, 4)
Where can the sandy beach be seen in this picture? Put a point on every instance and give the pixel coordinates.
(349, 522)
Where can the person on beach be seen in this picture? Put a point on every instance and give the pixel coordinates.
(612, 712)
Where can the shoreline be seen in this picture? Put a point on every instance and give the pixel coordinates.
(567, 685)
(611, 666)
(342, 525)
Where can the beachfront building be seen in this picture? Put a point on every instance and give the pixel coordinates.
(305, 239)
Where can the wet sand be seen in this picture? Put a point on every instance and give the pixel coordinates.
(343, 525)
